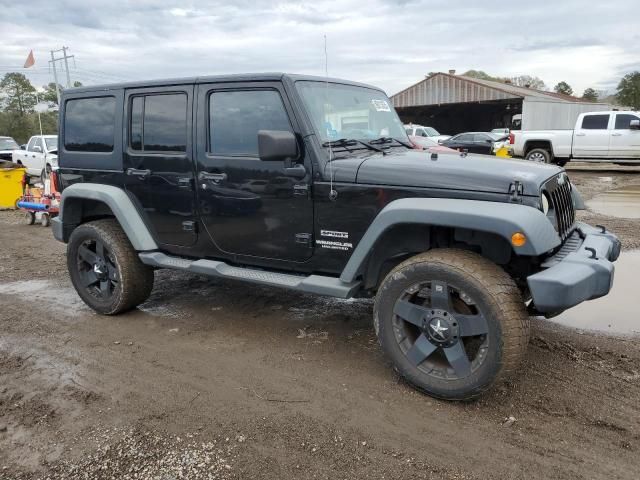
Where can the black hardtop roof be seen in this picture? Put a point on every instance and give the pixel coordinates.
(239, 77)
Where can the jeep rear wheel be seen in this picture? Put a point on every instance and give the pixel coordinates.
(105, 269)
(452, 322)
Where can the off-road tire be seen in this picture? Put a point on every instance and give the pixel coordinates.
(135, 278)
(533, 153)
(491, 287)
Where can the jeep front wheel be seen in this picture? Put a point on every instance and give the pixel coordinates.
(452, 322)
(105, 269)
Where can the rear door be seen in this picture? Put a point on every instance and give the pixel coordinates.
(591, 137)
(158, 161)
(250, 207)
(625, 143)
(482, 143)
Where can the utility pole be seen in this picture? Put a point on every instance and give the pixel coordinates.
(53, 61)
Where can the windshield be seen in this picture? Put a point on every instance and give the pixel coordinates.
(432, 132)
(52, 143)
(8, 144)
(350, 112)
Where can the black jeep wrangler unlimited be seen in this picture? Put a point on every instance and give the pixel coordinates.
(311, 184)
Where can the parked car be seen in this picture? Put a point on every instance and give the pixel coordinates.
(597, 136)
(501, 131)
(40, 155)
(426, 143)
(7, 146)
(451, 246)
(428, 132)
(476, 142)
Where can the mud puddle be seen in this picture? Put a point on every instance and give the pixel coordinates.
(617, 312)
(621, 202)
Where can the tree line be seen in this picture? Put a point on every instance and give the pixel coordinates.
(627, 93)
(18, 99)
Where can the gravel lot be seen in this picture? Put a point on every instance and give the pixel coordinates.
(212, 379)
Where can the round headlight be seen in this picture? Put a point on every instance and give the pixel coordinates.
(544, 202)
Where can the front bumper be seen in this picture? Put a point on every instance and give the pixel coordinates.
(581, 270)
(57, 228)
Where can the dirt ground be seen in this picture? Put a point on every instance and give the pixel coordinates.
(212, 379)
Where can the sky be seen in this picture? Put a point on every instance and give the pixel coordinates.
(389, 43)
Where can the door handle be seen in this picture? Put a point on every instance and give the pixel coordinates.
(297, 171)
(142, 174)
(580, 134)
(616, 134)
(213, 177)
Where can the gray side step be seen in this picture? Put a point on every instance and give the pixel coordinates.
(317, 284)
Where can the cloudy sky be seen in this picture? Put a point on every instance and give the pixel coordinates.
(390, 43)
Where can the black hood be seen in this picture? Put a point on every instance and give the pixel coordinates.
(414, 168)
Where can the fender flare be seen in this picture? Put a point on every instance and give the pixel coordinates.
(120, 204)
(503, 219)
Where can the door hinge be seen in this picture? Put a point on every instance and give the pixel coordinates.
(516, 190)
(304, 238)
(190, 226)
(301, 189)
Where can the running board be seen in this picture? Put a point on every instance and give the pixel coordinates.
(317, 284)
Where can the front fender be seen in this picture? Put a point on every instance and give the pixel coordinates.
(503, 219)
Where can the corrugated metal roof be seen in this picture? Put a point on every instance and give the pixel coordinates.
(445, 88)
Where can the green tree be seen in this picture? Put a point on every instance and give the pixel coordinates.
(77, 84)
(479, 74)
(590, 94)
(628, 91)
(528, 81)
(19, 96)
(564, 88)
(50, 95)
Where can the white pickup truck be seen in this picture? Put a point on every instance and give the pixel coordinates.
(41, 152)
(612, 136)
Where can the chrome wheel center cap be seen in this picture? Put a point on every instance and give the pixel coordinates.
(439, 329)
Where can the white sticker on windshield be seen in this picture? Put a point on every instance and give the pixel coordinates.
(380, 105)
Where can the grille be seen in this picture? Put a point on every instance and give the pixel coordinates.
(559, 191)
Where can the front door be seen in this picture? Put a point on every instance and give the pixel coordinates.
(250, 207)
(158, 161)
(625, 143)
(591, 137)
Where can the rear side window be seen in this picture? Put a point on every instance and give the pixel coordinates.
(236, 117)
(158, 123)
(623, 120)
(464, 138)
(89, 124)
(595, 122)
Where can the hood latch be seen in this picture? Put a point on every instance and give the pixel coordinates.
(516, 190)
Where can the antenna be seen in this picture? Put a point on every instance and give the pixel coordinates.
(332, 193)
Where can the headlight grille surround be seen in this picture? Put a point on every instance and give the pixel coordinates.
(558, 190)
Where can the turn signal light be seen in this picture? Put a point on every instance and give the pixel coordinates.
(518, 239)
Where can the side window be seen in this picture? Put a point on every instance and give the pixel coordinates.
(595, 122)
(32, 143)
(89, 124)
(236, 116)
(158, 123)
(409, 131)
(37, 143)
(464, 138)
(623, 120)
(480, 138)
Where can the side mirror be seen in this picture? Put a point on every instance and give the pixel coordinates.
(37, 149)
(634, 124)
(23, 147)
(276, 145)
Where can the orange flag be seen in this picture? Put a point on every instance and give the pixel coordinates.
(30, 60)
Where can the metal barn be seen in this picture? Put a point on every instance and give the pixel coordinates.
(454, 103)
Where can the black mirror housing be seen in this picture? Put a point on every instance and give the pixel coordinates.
(634, 124)
(277, 145)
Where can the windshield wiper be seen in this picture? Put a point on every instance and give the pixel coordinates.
(352, 142)
(383, 140)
